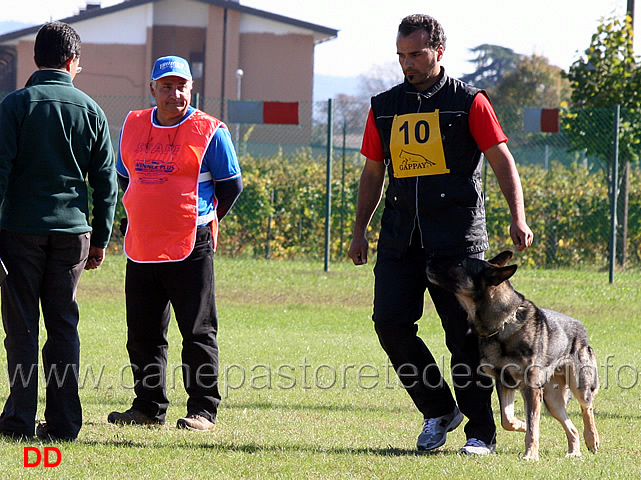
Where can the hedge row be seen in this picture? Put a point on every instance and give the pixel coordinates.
(281, 213)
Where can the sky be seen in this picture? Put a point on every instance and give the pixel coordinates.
(557, 29)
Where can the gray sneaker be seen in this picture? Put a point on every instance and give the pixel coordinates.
(474, 446)
(435, 430)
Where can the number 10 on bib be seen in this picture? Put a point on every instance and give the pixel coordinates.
(416, 146)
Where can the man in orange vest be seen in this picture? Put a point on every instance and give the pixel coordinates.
(180, 174)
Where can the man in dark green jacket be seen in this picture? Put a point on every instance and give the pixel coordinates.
(53, 138)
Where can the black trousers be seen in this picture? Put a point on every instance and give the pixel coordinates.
(187, 286)
(44, 271)
(398, 305)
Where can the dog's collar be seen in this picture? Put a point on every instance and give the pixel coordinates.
(495, 333)
(513, 318)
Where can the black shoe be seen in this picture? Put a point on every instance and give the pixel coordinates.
(132, 417)
(42, 432)
(18, 437)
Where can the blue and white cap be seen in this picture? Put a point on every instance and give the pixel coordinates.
(171, 66)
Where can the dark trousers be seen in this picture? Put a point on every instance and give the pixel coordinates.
(187, 286)
(44, 271)
(398, 305)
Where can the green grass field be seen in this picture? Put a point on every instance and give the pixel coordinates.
(307, 391)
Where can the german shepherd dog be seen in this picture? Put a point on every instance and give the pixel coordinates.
(543, 354)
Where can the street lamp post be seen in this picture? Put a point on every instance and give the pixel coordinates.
(239, 77)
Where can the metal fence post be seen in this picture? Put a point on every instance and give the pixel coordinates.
(328, 206)
(342, 228)
(270, 220)
(615, 185)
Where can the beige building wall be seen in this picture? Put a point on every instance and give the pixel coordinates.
(186, 42)
(26, 64)
(277, 67)
(114, 70)
(117, 77)
(214, 56)
(232, 53)
(106, 69)
(119, 49)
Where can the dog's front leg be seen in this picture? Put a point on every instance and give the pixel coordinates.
(589, 428)
(506, 401)
(532, 398)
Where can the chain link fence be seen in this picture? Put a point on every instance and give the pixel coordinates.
(567, 180)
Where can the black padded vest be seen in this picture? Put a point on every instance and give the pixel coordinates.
(445, 211)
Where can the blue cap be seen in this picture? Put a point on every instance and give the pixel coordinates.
(171, 66)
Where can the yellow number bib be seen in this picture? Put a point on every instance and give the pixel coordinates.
(416, 145)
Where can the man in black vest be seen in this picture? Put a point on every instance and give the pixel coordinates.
(429, 133)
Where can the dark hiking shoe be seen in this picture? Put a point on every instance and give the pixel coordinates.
(132, 417)
(18, 437)
(42, 432)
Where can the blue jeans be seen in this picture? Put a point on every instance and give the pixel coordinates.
(44, 271)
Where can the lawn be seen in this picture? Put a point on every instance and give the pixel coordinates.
(308, 393)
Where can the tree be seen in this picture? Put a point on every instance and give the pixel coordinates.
(379, 78)
(608, 75)
(492, 62)
(533, 83)
(349, 115)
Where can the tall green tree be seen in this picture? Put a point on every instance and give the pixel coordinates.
(492, 63)
(608, 74)
(533, 83)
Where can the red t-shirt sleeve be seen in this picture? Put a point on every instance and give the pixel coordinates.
(484, 126)
(372, 146)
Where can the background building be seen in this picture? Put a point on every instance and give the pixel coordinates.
(218, 37)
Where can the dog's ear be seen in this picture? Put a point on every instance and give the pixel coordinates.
(498, 275)
(501, 259)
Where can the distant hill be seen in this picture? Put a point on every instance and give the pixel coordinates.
(328, 86)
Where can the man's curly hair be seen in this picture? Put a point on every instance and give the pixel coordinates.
(435, 33)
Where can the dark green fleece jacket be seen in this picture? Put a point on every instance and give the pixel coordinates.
(53, 139)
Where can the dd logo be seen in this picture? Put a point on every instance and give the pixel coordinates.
(45, 457)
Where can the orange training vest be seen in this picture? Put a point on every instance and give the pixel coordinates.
(162, 196)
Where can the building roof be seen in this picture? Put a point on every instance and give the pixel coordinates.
(321, 34)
